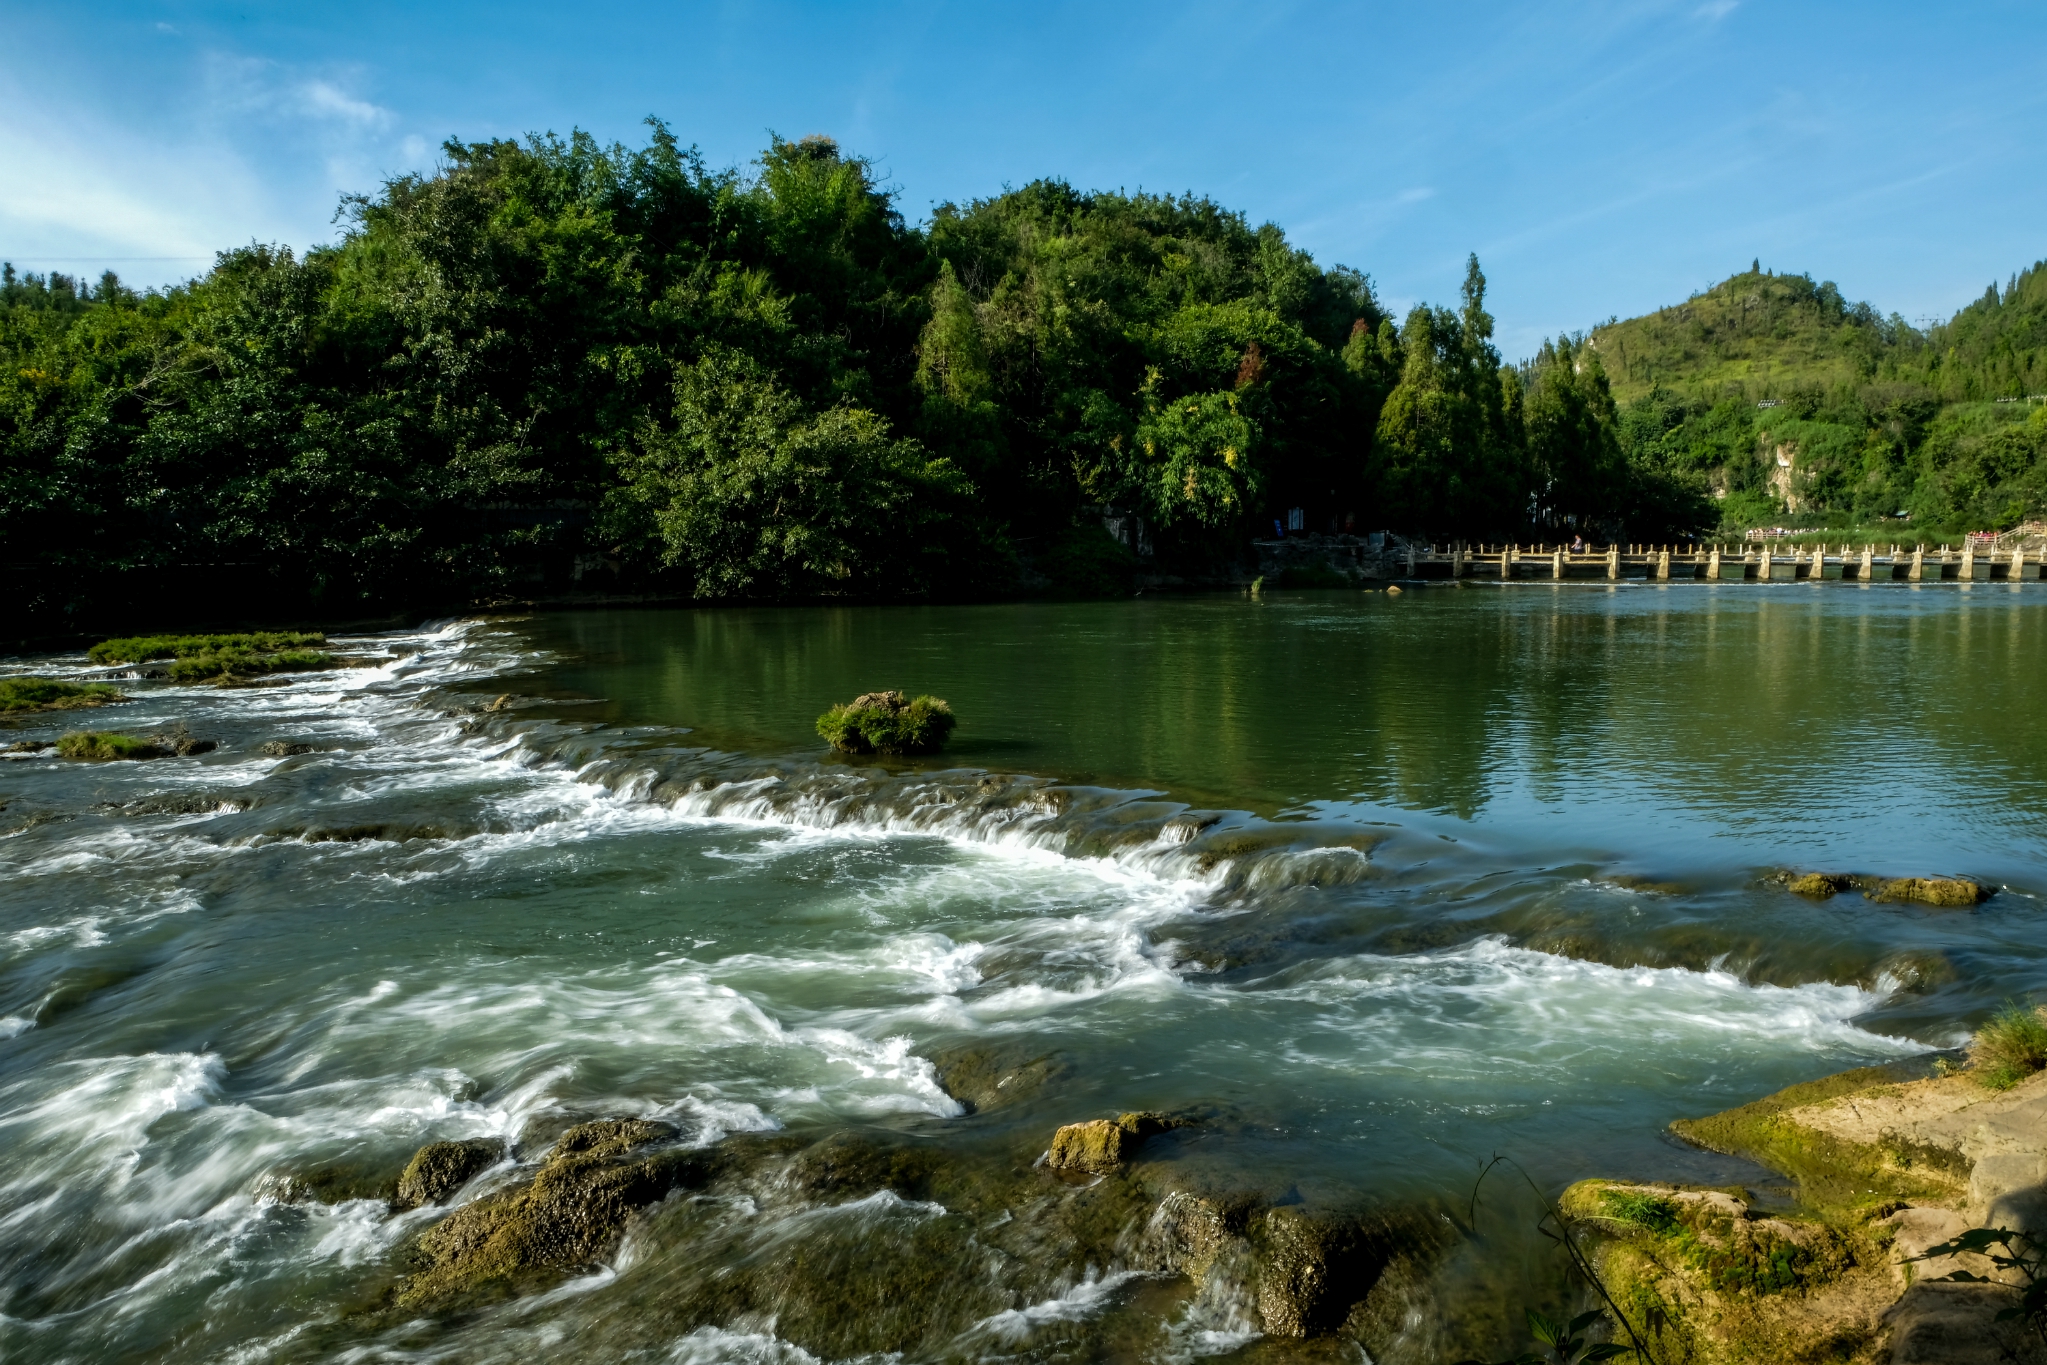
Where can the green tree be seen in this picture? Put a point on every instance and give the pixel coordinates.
(750, 495)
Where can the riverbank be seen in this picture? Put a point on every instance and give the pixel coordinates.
(1886, 1163)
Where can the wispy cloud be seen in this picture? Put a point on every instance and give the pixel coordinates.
(1415, 195)
(1713, 11)
(325, 100)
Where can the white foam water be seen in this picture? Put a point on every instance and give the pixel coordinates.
(454, 924)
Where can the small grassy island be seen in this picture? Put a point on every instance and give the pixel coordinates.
(104, 745)
(203, 658)
(49, 694)
(884, 723)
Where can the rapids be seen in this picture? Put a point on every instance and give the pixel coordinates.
(1381, 888)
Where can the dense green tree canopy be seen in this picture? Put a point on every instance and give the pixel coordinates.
(553, 365)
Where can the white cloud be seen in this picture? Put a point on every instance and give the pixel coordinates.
(1713, 11)
(1415, 195)
(324, 100)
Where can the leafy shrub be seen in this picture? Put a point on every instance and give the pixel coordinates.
(142, 648)
(2010, 1047)
(48, 694)
(103, 745)
(882, 722)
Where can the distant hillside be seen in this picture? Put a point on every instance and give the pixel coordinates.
(1793, 403)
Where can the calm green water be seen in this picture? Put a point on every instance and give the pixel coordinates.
(1383, 885)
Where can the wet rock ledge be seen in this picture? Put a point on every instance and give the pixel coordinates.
(868, 1241)
(1887, 1162)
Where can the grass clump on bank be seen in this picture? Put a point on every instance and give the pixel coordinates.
(884, 723)
(48, 694)
(104, 745)
(197, 658)
(2010, 1047)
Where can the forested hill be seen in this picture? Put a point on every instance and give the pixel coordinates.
(1795, 404)
(1761, 336)
(554, 368)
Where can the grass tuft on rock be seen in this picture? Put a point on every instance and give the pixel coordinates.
(884, 723)
(49, 694)
(2010, 1047)
(105, 746)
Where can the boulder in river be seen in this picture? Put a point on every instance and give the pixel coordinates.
(278, 748)
(439, 1169)
(104, 746)
(570, 1215)
(1818, 885)
(1947, 893)
(1104, 1144)
(983, 1078)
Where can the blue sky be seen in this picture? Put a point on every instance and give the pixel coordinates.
(1602, 158)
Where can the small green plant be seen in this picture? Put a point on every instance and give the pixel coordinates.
(2007, 1251)
(2011, 1046)
(884, 723)
(49, 694)
(104, 745)
(1638, 1208)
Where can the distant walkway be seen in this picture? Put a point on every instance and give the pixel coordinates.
(1730, 564)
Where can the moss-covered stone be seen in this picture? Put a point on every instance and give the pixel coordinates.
(983, 1078)
(888, 723)
(1834, 1173)
(569, 1215)
(439, 1169)
(104, 746)
(1818, 885)
(336, 1182)
(1703, 1278)
(1947, 893)
(1104, 1144)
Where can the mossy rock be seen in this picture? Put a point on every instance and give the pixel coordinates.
(983, 1078)
(888, 723)
(104, 746)
(570, 1215)
(1818, 885)
(871, 1241)
(439, 1169)
(1833, 1173)
(1101, 1145)
(1946, 893)
(1701, 1277)
(337, 1182)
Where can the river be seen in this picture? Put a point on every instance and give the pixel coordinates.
(1374, 887)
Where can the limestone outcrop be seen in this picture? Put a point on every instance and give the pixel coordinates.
(1888, 1162)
